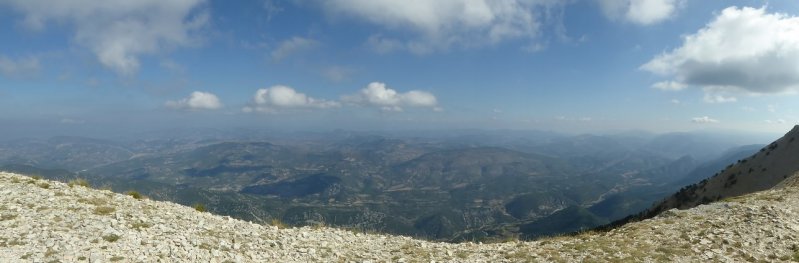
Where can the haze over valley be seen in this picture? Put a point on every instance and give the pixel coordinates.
(399, 130)
(453, 186)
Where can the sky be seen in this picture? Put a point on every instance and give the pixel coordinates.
(107, 66)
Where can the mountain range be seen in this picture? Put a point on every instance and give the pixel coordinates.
(740, 214)
(452, 187)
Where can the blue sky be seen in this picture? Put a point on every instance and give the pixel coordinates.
(580, 66)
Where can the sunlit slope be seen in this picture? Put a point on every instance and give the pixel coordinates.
(763, 170)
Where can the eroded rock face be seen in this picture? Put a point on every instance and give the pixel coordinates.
(42, 221)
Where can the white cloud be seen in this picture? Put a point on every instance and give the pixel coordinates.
(669, 86)
(292, 46)
(198, 100)
(704, 119)
(119, 31)
(417, 98)
(440, 24)
(276, 98)
(376, 94)
(19, 67)
(742, 51)
(711, 97)
(641, 12)
(675, 101)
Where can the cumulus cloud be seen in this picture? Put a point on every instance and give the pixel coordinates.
(377, 94)
(704, 119)
(641, 12)
(440, 24)
(276, 98)
(292, 46)
(198, 100)
(19, 67)
(742, 51)
(118, 31)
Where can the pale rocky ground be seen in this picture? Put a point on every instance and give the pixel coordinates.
(47, 221)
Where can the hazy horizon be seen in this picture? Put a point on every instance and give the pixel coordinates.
(254, 133)
(104, 68)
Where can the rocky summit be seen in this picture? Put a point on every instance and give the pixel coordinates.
(49, 221)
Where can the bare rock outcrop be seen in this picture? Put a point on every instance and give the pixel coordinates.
(48, 221)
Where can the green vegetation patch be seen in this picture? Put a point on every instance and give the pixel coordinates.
(199, 207)
(140, 225)
(94, 201)
(79, 182)
(104, 210)
(7, 216)
(279, 224)
(111, 237)
(134, 194)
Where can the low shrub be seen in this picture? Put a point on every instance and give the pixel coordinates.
(134, 194)
(103, 210)
(79, 182)
(199, 207)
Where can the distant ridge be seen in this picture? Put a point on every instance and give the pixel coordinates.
(763, 170)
